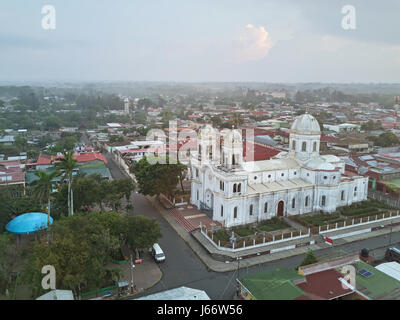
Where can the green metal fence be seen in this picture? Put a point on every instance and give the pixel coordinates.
(98, 291)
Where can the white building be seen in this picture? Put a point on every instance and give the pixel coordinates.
(294, 182)
(344, 127)
(136, 150)
(126, 106)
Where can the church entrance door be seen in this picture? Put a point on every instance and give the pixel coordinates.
(281, 205)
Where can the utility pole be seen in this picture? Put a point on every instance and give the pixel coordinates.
(238, 260)
(132, 266)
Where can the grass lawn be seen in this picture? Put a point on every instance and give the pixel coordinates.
(222, 235)
(243, 231)
(323, 219)
(272, 225)
(364, 208)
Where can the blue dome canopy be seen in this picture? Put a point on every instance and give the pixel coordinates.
(28, 223)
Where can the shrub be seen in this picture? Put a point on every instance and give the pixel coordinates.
(222, 235)
(309, 259)
(272, 224)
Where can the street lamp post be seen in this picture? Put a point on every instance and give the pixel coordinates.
(132, 266)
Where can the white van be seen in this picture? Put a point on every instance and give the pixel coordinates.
(158, 254)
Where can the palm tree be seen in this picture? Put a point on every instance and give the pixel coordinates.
(67, 165)
(237, 120)
(43, 188)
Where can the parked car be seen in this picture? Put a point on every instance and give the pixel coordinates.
(157, 252)
(392, 254)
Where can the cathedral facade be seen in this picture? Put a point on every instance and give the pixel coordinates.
(297, 181)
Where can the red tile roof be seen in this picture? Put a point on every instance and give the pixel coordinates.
(328, 138)
(324, 285)
(89, 156)
(256, 152)
(17, 176)
(10, 164)
(44, 159)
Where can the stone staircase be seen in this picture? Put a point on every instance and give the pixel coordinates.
(182, 221)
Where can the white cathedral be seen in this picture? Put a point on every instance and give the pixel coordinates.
(293, 182)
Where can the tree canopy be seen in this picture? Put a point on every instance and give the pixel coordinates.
(156, 179)
(81, 247)
(386, 139)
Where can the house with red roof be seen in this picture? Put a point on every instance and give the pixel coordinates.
(12, 173)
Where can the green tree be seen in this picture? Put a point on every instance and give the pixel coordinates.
(237, 120)
(166, 117)
(216, 121)
(21, 143)
(386, 139)
(156, 179)
(80, 249)
(43, 188)
(140, 117)
(13, 202)
(67, 164)
(309, 259)
(8, 262)
(140, 232)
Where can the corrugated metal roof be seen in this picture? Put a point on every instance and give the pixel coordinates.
(181, 293)
(392, 269)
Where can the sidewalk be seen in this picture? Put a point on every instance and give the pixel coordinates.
(145, 274)
(219, 266)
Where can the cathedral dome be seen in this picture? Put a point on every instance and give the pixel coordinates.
(306, 124)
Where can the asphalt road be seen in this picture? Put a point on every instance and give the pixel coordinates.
(183, 268)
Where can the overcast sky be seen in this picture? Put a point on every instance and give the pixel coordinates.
(201, 40)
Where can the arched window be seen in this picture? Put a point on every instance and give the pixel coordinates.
(234, 188)
(233, 160)
(294, 145)
(342, 195)
(251, 210)
(197, 194)
(306, 202)
(323, 201)
(315, 146)
(293, 203)
(222, 210)
(304, 146)
(266, 207)
(355, 191)
(239, 187)
(235, 213)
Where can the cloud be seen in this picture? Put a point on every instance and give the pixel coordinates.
(252, 44)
